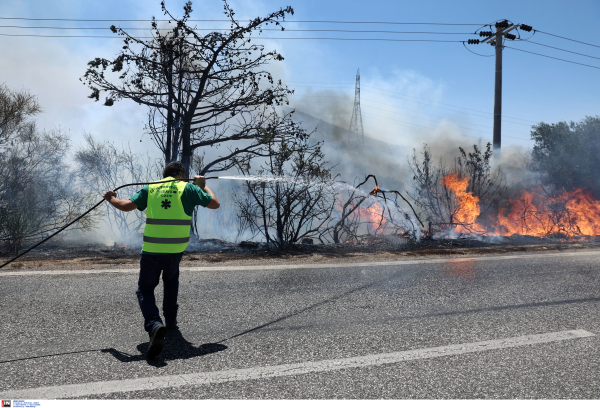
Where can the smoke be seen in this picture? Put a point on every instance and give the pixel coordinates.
(330, 111)
(388, 144)
(514, 163)
(331, 106)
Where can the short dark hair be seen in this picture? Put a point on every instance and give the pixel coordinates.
(173, 169)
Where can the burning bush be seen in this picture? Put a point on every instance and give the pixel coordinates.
(449, 196)
(569, 214)
(538, 212)
(378, 211)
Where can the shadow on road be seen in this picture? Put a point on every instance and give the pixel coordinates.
(176, 347)
(300, 311)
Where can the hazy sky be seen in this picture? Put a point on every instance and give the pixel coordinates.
(411, 91)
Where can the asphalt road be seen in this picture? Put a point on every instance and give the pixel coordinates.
(495, 327)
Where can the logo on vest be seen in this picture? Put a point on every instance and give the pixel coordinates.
(166, 204)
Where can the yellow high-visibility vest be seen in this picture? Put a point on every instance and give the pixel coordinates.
(167, 225)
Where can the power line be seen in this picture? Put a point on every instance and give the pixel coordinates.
(297, 38)
(556, 48)
(425, 126)
(229, 21)
(434, 104)
(67, 36)
(431, 127)
(451, 121)
(402, 109)
(447, 104)
(547, 56)
(262, 29)
(565, 38)
(265, 38)
(429, 114)
(283, 21)
(349, 83)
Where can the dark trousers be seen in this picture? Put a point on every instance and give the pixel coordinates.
(151, 267)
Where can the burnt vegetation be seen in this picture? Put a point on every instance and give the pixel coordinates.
(213, 104)
(293, 197)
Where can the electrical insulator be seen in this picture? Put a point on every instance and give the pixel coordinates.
(502, 24)
(510, 36)
(485, 33)
(525, 27)
(473, 42)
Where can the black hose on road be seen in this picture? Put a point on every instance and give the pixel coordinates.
(89, 211)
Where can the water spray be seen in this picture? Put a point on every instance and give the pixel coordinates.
(92, 209)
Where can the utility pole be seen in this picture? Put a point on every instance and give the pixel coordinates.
(497, 141)
(503, 29)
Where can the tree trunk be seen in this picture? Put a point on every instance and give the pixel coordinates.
(186, 151)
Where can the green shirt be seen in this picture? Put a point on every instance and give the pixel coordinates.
(192, 196)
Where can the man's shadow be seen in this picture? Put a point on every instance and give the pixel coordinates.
(175, 347)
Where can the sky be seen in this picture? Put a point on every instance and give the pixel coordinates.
(411, 92)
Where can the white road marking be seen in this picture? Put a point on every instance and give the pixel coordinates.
(257, 373)
(308, 265)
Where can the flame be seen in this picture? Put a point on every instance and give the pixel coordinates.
(570, 214)
(372, 214)
(467, 205)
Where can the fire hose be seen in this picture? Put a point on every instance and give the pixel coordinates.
(89, 211)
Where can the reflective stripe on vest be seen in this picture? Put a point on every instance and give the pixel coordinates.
(161, 221)
(167, 227)
(155, 240)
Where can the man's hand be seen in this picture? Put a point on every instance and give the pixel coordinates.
(200, 181)
(109, 195)
(123, 205)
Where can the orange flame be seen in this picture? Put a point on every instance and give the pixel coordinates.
(572, 213)
(372, 214)
(467, 205)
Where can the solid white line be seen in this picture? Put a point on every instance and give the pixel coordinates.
(257, 373)
(310, 265)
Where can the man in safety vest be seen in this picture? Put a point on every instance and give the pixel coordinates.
(169, 207)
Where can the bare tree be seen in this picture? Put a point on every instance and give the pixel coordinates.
(16, 111)
(292, 197)
(202, 90)
(346, 224)
(388, 214)
(37, 195)
(102, 166)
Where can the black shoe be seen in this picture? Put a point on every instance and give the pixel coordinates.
(156, 341)
(171, 325)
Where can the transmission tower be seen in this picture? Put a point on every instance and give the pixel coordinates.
(356, 125)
